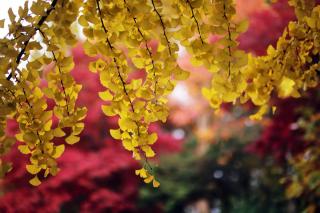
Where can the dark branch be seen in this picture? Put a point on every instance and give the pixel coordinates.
(114, 58)
(162, 25)
(59, 68)
(229, 38)
(147, 47)
(103, 25)
(39, 24)
(195, 19)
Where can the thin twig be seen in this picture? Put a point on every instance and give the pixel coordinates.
(114, 58)
(38, 25)
(229, 38)
(147, 47)
(59, 69)
(195, 19)
(162, 25)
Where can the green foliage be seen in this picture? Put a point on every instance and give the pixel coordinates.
(227, 178)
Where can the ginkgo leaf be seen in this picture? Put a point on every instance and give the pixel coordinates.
(148, 151)
(72, 139)
(182, 75)
(126, 124)
(261, 112)
(149, 179)
(58, 132)
(35, 181)
(243, 26)
(47, 125)
(141, 172)
(108, 110)
(2, 23)
(155, 183)
(106, 95)
(58, 151)
(127, 145)
(152, 138)
(24, 149)
(115, 133)
(33, 169)
(286, 87)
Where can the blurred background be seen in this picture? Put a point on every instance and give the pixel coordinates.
(207, 161)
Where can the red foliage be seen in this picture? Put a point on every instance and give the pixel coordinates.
(266, 26)
(281, 136)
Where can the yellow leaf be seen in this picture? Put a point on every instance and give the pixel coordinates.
(243, 26)
(155, 183)
(136, 84)
(261, 112)
(108, 110)
(152, 138)
(286, 87)
(127, 145)
(138, 62)
(35, 181)
(2, 23)
(11, 15)
(148, 150)
(47, 126)
(182, 75)
(58, 132)
(37, 92)
(100, 64)
(106, 95)
(58, 151)
(24, 149)
(115, 133)
(82, 21)
(46, 173)
(33, 169)
(92, 67)
(126, 124)
(141, 172)
(149, 179)
(37, 9)
(136, 154)
(72, 139)
(77, 128)
(19, 137)
(294, 190)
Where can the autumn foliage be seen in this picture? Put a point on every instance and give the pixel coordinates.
(132, 50)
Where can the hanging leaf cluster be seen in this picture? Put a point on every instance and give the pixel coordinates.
(125, 35)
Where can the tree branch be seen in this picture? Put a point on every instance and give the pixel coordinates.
(39, 24)
(147, 47)
(195, 19)
(162, 25)
(114, 58)
(229, 38)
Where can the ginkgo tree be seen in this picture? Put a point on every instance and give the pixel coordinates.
(118, 36)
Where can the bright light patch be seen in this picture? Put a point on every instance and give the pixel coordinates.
(180, 94)
(178, 134)
(5, 5)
